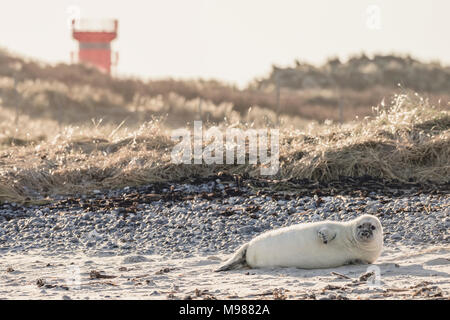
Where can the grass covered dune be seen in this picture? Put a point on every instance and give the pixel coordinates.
(408, 140)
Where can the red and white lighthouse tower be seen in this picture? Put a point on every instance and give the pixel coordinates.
(95, 37)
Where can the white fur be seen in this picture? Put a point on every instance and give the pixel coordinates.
(300, 245)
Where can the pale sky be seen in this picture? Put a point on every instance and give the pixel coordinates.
(231, 40)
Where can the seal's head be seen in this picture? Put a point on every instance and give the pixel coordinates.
(368, 228)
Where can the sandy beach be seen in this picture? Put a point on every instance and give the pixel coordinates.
(405, 273)
(169, 248)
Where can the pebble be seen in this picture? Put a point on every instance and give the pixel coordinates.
(220, 225)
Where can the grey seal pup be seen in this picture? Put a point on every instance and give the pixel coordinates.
(324, 244)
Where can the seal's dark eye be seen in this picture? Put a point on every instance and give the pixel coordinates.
(372, 227)
(359, 227)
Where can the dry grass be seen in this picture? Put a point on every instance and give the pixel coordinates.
(407, 141)
(74, 94)
(79, 104)
(79, 130)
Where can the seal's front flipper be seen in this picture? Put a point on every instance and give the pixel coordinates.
(237, 261)
(326, 235)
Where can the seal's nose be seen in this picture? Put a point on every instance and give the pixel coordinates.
(366, 233)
